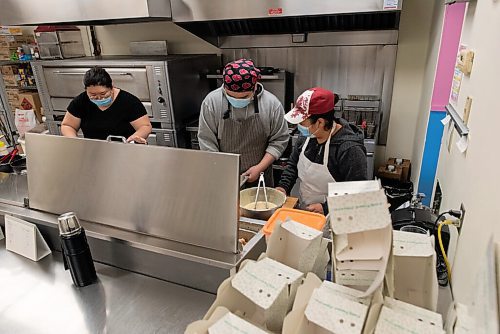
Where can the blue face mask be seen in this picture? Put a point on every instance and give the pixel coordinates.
(103, 102)
(304, 130)
(238, 103)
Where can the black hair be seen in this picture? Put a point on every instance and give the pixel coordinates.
(329, 116)
(97, 76)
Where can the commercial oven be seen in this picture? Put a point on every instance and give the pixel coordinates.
(171, 88)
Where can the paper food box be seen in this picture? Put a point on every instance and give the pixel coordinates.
(362, 235)
(299, 247)
(397, 317)
(415, 279)
(261, 292)
(326, 307)
(223, 322)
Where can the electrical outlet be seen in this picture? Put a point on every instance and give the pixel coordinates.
(459, 222)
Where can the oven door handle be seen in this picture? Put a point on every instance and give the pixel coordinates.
(369, 154)
(82, 73)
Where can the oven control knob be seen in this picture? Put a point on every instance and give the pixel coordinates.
(161, 100)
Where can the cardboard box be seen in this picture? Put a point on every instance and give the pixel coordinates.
(13, 93)
(7, 57)
(9, 69)
(223, 321)
(415, 279)
(362, 235)
(261, 292)
(299, 247)
(14, 104)
(324, 307)
(10, 30)
(31, 100)
(405, 165)
(384, 173)
(10, 79)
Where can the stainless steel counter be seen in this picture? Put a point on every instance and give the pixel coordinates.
(13, 188)
(39, 297)
(197, 267)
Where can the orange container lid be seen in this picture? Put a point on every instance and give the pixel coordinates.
(311, 219)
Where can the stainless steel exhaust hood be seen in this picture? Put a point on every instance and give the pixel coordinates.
(213, 19)
(84, 12)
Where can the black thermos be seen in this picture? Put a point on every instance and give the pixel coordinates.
(76, 251)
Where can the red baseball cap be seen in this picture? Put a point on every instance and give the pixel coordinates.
(314, 101)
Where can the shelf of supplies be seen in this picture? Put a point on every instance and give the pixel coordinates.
(460, 126)
(14, 62)
(25, 88)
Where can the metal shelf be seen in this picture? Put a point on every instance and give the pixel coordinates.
(15, 62)
(20, 87)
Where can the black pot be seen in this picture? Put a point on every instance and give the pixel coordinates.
(267, 70)
(6, 167)
(18, 165)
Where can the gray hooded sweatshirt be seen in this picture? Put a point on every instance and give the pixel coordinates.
(271, 114)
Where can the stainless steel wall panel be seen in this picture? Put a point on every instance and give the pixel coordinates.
(182, 195)
(355, 70)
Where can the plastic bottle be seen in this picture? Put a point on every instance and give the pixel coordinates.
(3, 148)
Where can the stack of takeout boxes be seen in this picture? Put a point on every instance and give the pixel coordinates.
(284, 291)
(362, 235)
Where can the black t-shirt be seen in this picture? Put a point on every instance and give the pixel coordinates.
(99, 124)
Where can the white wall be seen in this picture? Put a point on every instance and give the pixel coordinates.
(472, 178)
(424, 105)
(115, 39)
(412, 60)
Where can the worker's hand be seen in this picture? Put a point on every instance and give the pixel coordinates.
(317, 208)
(253, 173)
(136, 139)
(281, 190)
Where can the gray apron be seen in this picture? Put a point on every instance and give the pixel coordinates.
(247, 138)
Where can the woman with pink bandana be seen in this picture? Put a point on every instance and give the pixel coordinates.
(241, 117)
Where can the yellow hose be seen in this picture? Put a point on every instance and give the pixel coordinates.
(448, 267)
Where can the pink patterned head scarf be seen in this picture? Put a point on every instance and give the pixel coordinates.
(240, 75)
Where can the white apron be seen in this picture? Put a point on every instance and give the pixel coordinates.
(314, 177)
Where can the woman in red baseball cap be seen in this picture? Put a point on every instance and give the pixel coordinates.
(242, 117)
(329, 150)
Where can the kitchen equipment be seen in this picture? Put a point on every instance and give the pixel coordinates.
(311, 219)
(76, 252)
(247, 197)
(219, 21)
(19, 165)
(267, 70)
(102, 193)
(161, 83)
(259, 184)
(28, 12)
(243, 180)
(149, 48)
(6, 160)
(5, 167)
(59, 42)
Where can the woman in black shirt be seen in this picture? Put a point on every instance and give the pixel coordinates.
(104, 110)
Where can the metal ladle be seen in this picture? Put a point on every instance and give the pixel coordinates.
(261, 180)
